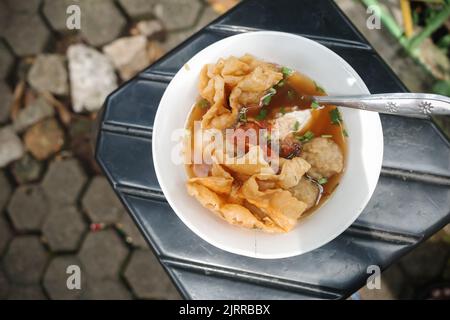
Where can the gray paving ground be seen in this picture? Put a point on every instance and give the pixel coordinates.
(56, 209)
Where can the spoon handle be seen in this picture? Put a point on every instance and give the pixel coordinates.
(408, 104)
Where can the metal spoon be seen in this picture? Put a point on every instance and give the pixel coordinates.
(407, 104)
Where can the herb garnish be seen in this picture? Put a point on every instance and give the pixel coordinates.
(268, 97)
(282, 110)
(262, 114)
(335, 116)
(286, 71)
(243, 115)
(315, 105)
(296, 126)
(322, 181)
(318, 88)
(306, 137)
(280, 84)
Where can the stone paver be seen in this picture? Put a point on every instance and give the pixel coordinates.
(5, 190)
(11, 147)
(18, 7)
(55, 13)
(4, 285)
(64, 181)
(132, 235)
(25, 260)
(106, 289)
(92, 77)
(186, 11)
(5, 234)
(6, 60)
(64, 228)
(49, 73)
(55, 278)
(44, 139)
(26, 169)
(33, 113)
(175, 38)
(435, 255)
(26, 292)
(101, 21)
(101, 203)
(5, 102)
(103, 254)
(26, 33)
(147, 278)
(207, 15)
(28, 208)
(138, 9)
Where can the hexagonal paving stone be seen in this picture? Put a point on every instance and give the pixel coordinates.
(5, 102)
(138, 9)
(106, 289)
(55, 12)
(5, 190)
(64, 228)
(6, 60)
(28, 208)
(26, 292)
(186, 11)
(417, 266)
(132, 234)
(26, 33)
(5, 234)
(102, 254)
(101, 21)
(25, 260)
(4, 285)
(55, 279)
(64, 181)
(28, 6)
(147, 278)
(101, 203)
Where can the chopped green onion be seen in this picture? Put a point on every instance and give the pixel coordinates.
(306, 137)
(345, 133)
(203, 103)
(282, 110)
(291, 94)
(262, 114)
(315, 105)
(327, 136)
(280, 84)
(319, 88)
(243, 115)
(266, 100)
(296, 126)
(322, 180)
(335, 116)
(286, 71)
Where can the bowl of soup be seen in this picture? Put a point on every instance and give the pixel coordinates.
(249, 162)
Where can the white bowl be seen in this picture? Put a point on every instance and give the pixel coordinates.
(365, 147)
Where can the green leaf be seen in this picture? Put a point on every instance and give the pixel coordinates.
(280, 84)
(262, 114)
(286, 71)
(296, 126)
(442, 87)
(322, 181)
(335, 116)
(315, 105)
(266, 100)
(318, 88)
(308, 136)
(345, 133)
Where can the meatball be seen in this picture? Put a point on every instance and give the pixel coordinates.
(306, 191)
(324, 156)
